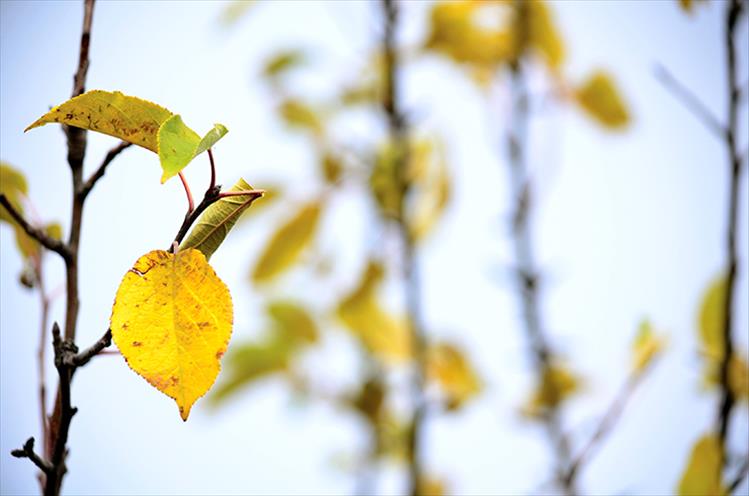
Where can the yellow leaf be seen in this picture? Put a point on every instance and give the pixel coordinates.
(703, 472)
(738, 376)
(293, 322)
(13, 186)
(125, 117)
(689, 5)
(599, 97)
(431, 193)
(282, 62)
(646, 347)
(432, 486)
(456, 32)
(381, 333)
(331, 167)
(711, 318)
(300, 115)
(557, 385)
(448, 366)
(288, 243)
(383, 182)
(544, 35)
(172, 320)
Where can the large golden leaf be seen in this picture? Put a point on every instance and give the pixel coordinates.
(172, 319)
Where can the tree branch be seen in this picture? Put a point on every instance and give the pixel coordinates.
(89, 184)
(48, 242)
(739, 478)
(28, 452)
(734, 12)
(690, 101)
(86, 355)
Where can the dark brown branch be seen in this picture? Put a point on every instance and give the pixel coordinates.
(84, 356)
(690, 101)
(48, 242)
(210, 197)
(28, 452)
(734, 12)
(89, 184)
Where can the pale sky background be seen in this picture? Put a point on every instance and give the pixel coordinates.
(630, 225)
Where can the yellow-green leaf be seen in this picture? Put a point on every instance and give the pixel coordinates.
(381, 333)
(178, 145)
(282, 62)
(331, 167)
(298, 114)
(557, 384)
(215, 223)
(13, 186)
(125, 117)
(711, 318)
(293, 322)
(738, 376)
(172, 320)
(431, 193)
(703, 472)
(449, 367)
(647, 346)
(600, 98)
(288, 243)
(235, 10)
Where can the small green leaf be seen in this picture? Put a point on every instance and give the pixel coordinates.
(177, 145)
(215, 223)
(282, 62)
(211, 138)
(711, 318)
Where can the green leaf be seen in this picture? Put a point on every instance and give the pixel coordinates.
(211, 138)
(113, 113)
(703, 472)
(293, 322)
(288, 243)
(13, 186)
(282, 62)
(215, 223)
(177, 145)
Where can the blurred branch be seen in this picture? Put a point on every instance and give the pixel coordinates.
(739, 478)
(734, 12)
(526, 273)
(690, 101)
(38, 234)
(607, 423)
(398, 132)
(28, 452)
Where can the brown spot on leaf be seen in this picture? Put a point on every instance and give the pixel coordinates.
(219, 354)
(174, 379)
(137, 343)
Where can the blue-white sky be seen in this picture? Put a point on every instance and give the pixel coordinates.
(629, 225)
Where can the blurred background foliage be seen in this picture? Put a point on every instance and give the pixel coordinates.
(509, 51)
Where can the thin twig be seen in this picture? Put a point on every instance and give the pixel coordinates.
(84, 356)
(739, 478)
(38, 234)
(690, 101)
(210, 197)
(190, 202)
(89, 184)
(251, 192)
(213, 169)
(734, 12)
(28, 452)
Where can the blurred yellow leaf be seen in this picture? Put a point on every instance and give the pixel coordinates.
(381, 333)
(292, 328)
(235, 10)
(13, 186)
(384, 183)
(282, 62)
(557, 385)
(431, 193)
(331, 167)
(600, 98)
(647, 346)
(432, 486)
(456, 31)
(288, 243)
(711, 318)
(544, 35)
(689, 5)
(272, 193)
(448, 366)
(702, 476)
(738, 376)
(370, 399)
(298, 114)
(172, 319)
